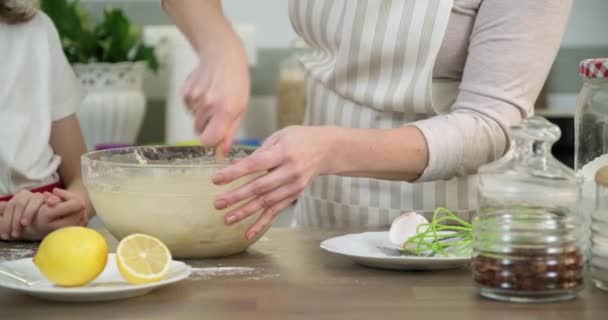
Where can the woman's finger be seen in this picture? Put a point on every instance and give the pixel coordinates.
(265, 201)
(190, 91)
(256, 187)
(226, 144)
(217, 127)
(31, 209)
(261, 160)
(201, 120)
(267, 216)
(2, 205)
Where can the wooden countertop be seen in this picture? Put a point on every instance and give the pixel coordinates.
(286, 276)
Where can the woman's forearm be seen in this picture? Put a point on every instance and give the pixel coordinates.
(392, 154)
(203, 23)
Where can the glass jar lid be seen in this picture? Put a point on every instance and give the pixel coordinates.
(594, 68)
(528, 173)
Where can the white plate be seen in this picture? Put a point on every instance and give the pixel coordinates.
(108, 286)
(374, 249)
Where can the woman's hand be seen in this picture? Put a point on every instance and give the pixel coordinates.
(217, 93)
(290, 160)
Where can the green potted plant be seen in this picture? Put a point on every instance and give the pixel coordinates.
(109, 58)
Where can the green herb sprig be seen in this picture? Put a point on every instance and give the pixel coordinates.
(446, 235)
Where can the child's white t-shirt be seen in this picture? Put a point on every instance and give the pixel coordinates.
(37, 87)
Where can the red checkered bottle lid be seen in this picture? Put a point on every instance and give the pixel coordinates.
(594, 68)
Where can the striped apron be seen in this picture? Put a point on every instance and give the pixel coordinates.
(372, 67)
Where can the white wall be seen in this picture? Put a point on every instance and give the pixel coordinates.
(588, 25)
(270, 17)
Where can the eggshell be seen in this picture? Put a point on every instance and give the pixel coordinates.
(405, 227)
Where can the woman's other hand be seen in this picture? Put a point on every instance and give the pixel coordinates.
(217, 91)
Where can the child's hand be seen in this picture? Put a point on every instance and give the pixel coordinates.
(68, 209)
(33, 215)
(18, 213)
(51, 199)
(65, 208)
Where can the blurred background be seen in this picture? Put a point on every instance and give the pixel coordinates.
(276, 83)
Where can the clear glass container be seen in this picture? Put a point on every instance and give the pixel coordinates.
(291, 88)
(591, 119)
(599, 232)
(527, 231)
(166, 192)
(591, 133)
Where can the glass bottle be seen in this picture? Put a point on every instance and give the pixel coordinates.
(527, 231)
(291, 88)
(591, 133)
(599, 232)
(591, 119)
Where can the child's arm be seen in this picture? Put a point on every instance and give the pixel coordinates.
(31, 216)
(63, 207)
(67, 141)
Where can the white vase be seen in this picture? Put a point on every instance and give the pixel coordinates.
(115, 105)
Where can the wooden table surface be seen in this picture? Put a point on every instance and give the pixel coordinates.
(286, 276)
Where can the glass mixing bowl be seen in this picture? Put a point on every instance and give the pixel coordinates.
(166, 192)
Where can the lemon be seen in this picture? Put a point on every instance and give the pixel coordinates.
(72, 256)
(142, 259)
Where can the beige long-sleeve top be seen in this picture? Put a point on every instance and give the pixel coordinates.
(501, 51)
(380, 64)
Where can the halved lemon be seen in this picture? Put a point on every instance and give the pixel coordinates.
(142, 259)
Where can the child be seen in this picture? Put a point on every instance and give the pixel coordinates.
(41, 141)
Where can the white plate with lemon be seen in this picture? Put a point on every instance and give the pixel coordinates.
(79, 271)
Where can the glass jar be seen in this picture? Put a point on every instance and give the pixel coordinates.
(527, 232)
(291, 88)
(591, 133)
(591, 119)
(599, 232)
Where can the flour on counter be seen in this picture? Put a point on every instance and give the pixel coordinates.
(213, 272)
(244, 273)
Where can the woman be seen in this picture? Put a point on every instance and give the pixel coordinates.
(41, 139)
(422, 91)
